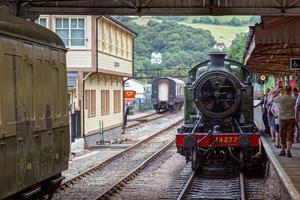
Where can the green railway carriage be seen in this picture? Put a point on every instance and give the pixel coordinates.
(34, 122)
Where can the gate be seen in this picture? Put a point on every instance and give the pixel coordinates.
(75, 124)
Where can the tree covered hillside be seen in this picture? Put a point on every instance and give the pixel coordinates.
(180, 45)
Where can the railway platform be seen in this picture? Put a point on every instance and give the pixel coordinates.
(288, 169)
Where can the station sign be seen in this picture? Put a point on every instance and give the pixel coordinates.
(295, 63)
(262, 79)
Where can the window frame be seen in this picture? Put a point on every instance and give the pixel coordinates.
(105, 102)
(117, 101)
(90, 103)
(84, 46)
(39, 21)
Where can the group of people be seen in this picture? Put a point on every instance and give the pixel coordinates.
(281, 117)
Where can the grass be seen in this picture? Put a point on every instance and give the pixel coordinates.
(222, 33)
(222, 18)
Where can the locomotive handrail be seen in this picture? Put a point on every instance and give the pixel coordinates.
(237, 124)
(202, 139)
(198, 122)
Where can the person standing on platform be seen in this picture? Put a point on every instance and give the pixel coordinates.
(297, 118)
(286, 104)
(295, 92)
(275, 112)
(264, 110)
(271, 118)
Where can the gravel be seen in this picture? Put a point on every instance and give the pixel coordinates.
(92, 157)
(99, 181)
(146, 129)
(155, 180)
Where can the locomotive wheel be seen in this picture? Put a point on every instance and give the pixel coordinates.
(195, 159)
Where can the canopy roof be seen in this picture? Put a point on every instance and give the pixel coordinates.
(272, 43)
(154, 7)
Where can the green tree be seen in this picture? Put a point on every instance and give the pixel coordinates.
(180, 45)
(237, 48)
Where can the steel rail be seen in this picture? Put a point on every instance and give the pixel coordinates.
(145, 116)
(109, 160)
(130, 176)
(186, 186)
(144, 119)
(242, 186)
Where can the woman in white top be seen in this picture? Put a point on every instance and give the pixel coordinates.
(275, 112)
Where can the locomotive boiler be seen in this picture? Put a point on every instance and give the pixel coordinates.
(218, 114)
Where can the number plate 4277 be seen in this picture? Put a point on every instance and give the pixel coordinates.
(227, 139)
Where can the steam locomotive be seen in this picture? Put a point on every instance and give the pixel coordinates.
(218, 114)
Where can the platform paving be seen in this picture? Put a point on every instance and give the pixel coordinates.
(288, 169)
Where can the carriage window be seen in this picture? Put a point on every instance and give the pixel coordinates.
(55, 81)
(1, 94)
(13, 99)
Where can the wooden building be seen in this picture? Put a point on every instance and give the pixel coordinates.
(99, 59)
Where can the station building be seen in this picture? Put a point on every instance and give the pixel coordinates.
(99, 59)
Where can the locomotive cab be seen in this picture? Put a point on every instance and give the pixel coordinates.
(218, 114)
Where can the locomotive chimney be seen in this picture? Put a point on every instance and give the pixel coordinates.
(217, 59)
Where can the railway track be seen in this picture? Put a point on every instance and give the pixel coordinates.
(222, 183)
(122, 183)
(101, 180)
(135, 122)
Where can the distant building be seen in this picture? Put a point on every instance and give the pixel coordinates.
(156, 58)
(142, 98)
(135, 85)
(99, 58)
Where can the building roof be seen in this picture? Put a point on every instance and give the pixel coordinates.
(23, 29)
(176, 80)
(272, 43)
(122, 25)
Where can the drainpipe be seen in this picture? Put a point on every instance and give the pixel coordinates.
(133, 76)
(83, 105)
(84, 79)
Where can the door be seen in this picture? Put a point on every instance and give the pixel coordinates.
(163, 90)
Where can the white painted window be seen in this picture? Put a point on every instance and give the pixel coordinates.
(42, 21)
(71, 31)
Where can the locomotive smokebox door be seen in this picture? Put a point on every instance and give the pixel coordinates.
(217, 93)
